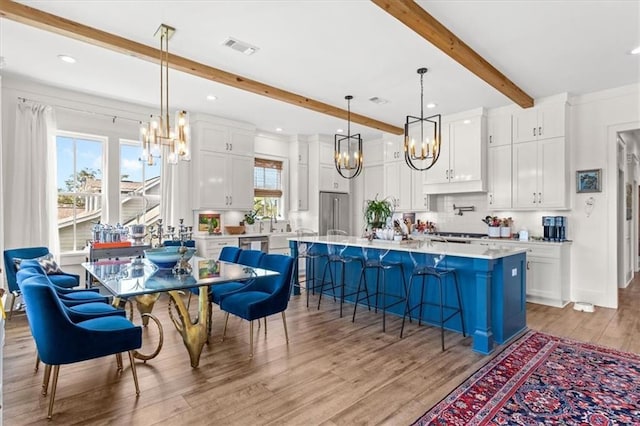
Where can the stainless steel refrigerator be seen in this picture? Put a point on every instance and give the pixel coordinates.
(334, 212)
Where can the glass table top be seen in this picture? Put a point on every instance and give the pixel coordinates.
(133, 277)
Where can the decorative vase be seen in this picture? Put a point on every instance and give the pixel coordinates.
(505, 232)
(494, 232)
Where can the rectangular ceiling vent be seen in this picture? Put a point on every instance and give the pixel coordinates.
(240, 46)
(378, 100)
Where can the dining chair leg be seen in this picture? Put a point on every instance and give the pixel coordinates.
(54, 384)
(134, 372)
(13, 301)
(284, 322)
(224, 330)
(35, 370)
(45, 379)
(265, 326)
(251, 339)
(119, 362)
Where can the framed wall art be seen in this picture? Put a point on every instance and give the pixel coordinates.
(589, 180)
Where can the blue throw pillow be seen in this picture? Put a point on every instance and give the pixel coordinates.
(47, 262)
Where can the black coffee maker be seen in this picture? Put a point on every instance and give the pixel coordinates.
(555, 228)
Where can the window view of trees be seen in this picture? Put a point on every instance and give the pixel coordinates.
(267, 188)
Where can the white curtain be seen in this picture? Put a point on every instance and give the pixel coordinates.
(175, 192)
(30, 188)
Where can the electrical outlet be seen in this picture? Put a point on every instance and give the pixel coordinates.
(514, 272)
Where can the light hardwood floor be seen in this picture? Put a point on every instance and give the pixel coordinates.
(333, 371)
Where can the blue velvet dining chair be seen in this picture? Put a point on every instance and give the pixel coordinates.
(245, 257)
(60, 341)
(69, 296)
(263, 296)
(13, 258)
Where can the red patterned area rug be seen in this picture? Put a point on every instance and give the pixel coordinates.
(542, 379)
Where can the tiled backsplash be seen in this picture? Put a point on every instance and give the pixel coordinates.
(447, 219)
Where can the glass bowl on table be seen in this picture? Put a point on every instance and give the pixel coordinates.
(167, 257)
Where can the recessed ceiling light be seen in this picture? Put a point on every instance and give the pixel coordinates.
(636, 51)
(339, 131)
(68, 59)
(467, 121)
(278, 129)
(431, 105)
(211, 97)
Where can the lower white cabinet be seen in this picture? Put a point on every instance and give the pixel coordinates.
(210, 248)
(548, 266)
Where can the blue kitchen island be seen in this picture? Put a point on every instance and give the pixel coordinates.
(492, 281)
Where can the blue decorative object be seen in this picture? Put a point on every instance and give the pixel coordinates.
(60, 341)
(167, 257)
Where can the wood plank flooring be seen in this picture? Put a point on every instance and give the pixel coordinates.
(333, 372)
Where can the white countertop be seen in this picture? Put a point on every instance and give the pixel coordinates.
(427, 246)
(264, 234)
(490, 240)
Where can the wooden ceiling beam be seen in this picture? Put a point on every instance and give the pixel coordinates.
(29, 16)
(415, 17)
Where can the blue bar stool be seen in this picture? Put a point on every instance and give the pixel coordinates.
(336, 246)
(375, 259)
(437, 273)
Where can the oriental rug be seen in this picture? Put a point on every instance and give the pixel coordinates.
(542, 379)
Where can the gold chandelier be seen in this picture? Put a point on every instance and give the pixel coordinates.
(425, 132)
(348, 149)
(158, 131)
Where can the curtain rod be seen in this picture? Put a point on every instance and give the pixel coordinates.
(112, 116)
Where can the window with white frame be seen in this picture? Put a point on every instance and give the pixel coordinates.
(139, 187)
(267, 188)
(80, 187)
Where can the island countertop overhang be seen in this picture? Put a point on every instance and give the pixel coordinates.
(416, 246)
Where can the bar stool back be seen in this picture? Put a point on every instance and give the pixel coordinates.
(433, 270)
(336, 246)
(310, 253)
(377, 259)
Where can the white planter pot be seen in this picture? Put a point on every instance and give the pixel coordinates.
(505, 232)
(494, 232)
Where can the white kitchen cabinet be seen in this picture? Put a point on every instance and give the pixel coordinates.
(224, 181)
(393, 147)
(499, 130)
(541, 122)
(539, 174)
(548, 270)
(224, 139)
(420, 201)
(461, 165)
(330, 179)
(210, 247)
(499, 177)
(299, 175)
(373, 179)
(397, 185)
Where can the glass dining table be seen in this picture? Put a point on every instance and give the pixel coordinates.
(142, 281)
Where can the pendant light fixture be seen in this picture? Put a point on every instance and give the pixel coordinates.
(348, 149)
(158, 131)
(422, 136)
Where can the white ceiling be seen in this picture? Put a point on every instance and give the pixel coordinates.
(327, 49)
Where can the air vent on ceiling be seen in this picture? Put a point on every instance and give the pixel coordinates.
(240, 46)
(377, 100)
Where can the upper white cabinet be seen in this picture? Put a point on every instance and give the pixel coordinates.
(499, 177)
(299, 160)
(330, 179)
(223, 162)
(545, 121)
(539, 173)
(461, 166)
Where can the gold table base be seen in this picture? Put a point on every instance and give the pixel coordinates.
(194, 333)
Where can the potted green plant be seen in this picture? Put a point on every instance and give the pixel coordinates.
(250, 220)
(377, 212)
